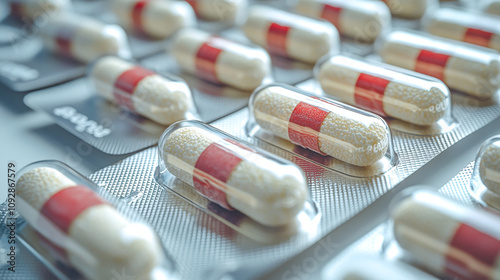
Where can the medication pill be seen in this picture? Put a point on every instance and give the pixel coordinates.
(219, 10)
(491, 7)
(489, 167)
(322, 126)
(412, 9)
(470, 69)
(98, 241)
(219, 60)
(291, 35)
(448, 238)
(83, 38)
(157, 19)
(473, 28)
(34, 9)
(268, 189)
(384, 91)
(361, 20)
(142, 91)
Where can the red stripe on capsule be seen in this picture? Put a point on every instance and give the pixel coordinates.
(305, 124)
(126, 83)
(206, 61)
(473, 245)
(332, 14)
(67, 204)
(478, 37)
(137, 14)
(276, 39)
(64, 40)
(369, 93)
(211, 172)
(432, 64)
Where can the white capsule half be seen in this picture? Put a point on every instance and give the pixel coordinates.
(157, 19)
(446, 237)
(465, 67)
(323, 126)
(412, 9)
(291, 35)
(383, 90)
(156, 97)
(360, 20)
(219, 10)
(83, 38)
(489, 166)
(490, 6)
(220, 60)
(268, 189)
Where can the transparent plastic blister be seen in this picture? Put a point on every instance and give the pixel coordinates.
(443, 236)
(121, 107)
(411, 9)
(468, 68)
(464, 25)
(221, 61)
(362, 21)
(252, 191)
(290, 35)
(485, 180)
(342, 138)
(411, 102)
(79, 231)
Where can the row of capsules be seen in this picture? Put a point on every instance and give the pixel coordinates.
(428, 236)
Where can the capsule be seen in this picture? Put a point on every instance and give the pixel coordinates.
(361, 20)
(268, 189)
(470, 69)
(489, 165)
(221, 61)
(142, 91)
(91, 233)
(446, 237)
(218, 10)
(323, 126)
(411, 9)
(31, 9)
(157, 19)
(491, 7)
(384, 91)
(473, 28)
(83, 38)
(290, 35)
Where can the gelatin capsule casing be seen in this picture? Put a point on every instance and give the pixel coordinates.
(323, 126)
(464, 67)
(290, 35)
(157, 19)
(82, 38)
(235, 175)
(84, 228)
(384, 90)
(219, 60)
(360, 20)
(159, 98)
(466, 26)
(446, 237)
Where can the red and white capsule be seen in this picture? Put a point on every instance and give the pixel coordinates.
(220, 60)
(34, 9)
(83, 38)
(141, 90)
(448, 238)
(474, 28)
(291, 35)
(157, 19)
(86, 230)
